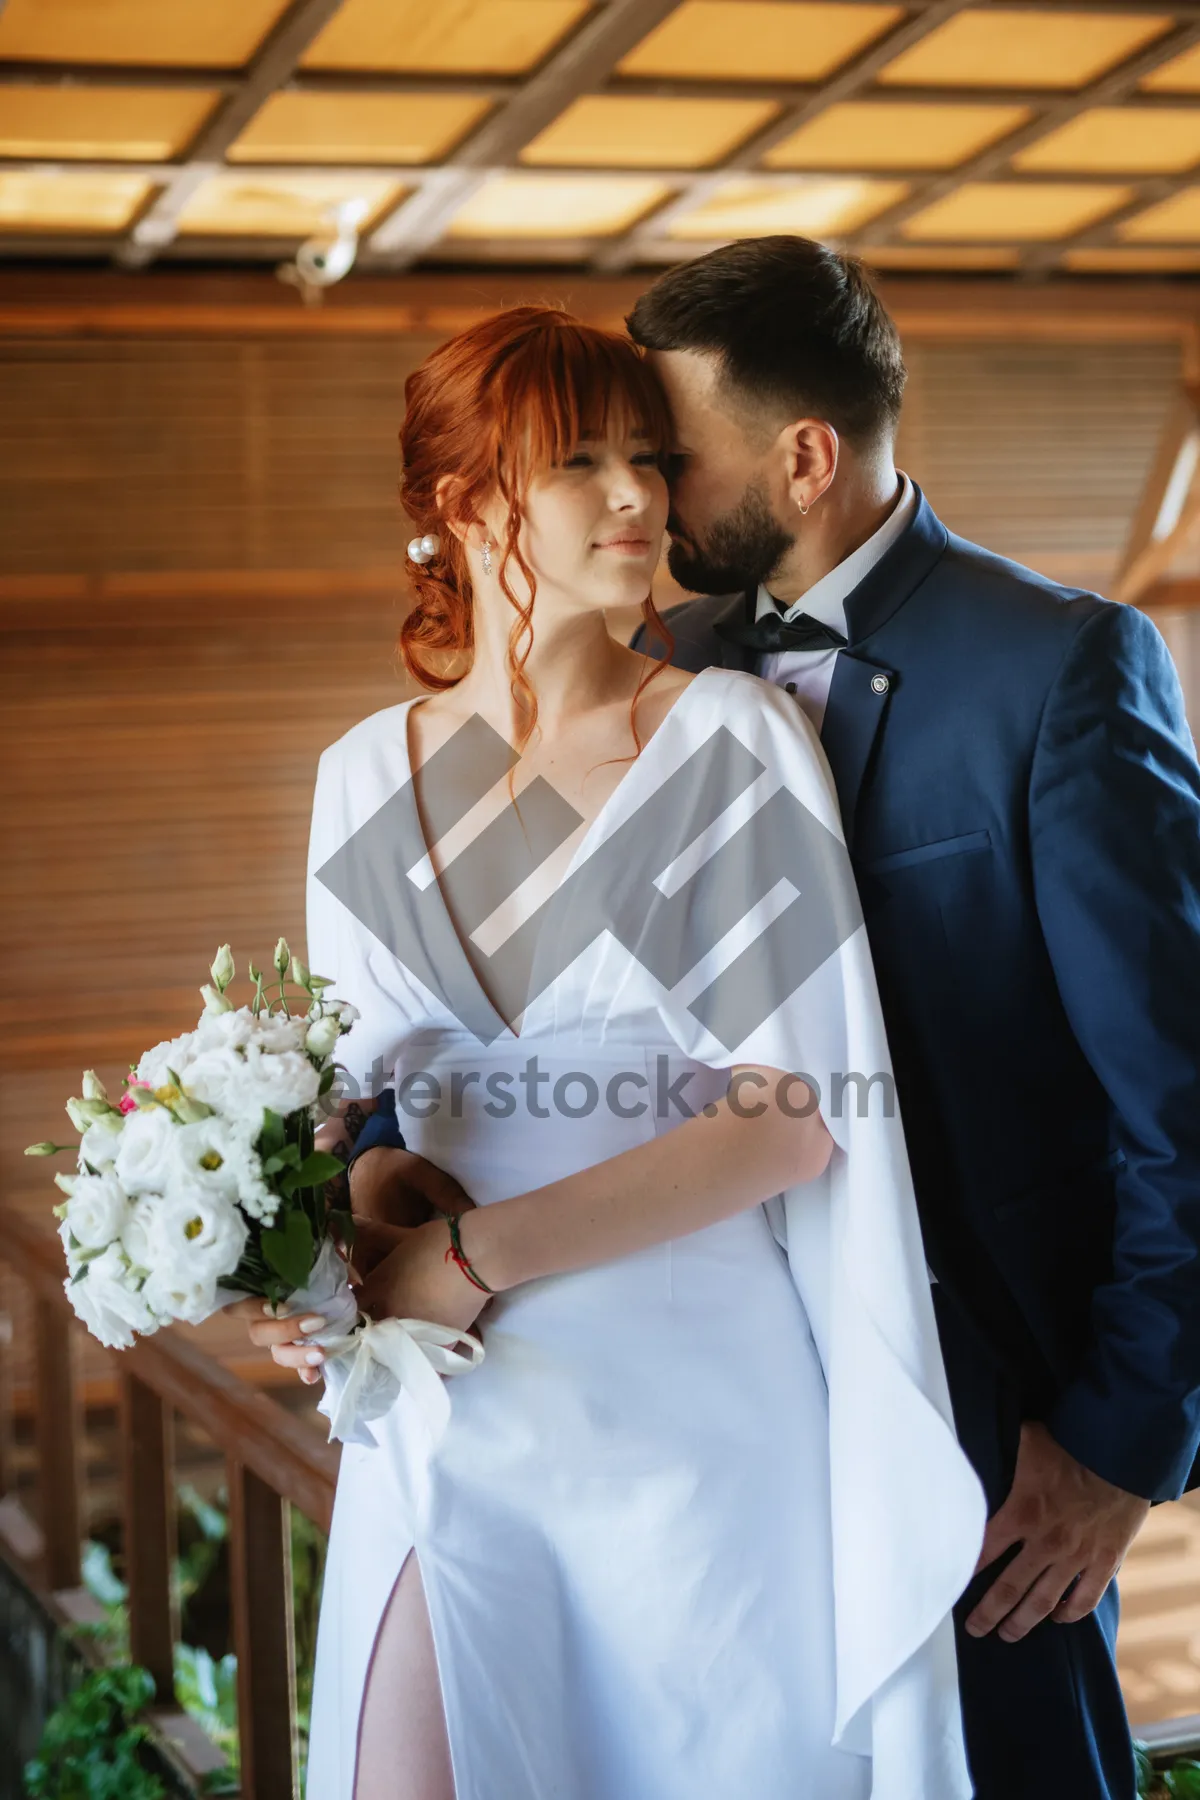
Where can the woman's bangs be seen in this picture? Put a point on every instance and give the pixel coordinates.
(574, 385)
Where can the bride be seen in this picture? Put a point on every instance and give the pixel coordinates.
(696, 1522)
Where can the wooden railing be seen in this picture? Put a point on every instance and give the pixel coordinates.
(272, 1459)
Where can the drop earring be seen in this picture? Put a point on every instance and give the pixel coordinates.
(487, 556)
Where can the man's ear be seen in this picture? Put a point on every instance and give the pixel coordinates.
(810, 450)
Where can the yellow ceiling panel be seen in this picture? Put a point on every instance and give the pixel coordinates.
(1182, 76)
(168, 33)
(1032, 211)
(757, 40)
(1118, 140)
(286, 206)
(894, 135)
(357, 128)
(528, 205)
(498, 37)
(617, 130)
(819, 207)
(1054, 49)
(1133, 262)
(143, 124)
(1176, 220)
(916, 257)
(31, 201)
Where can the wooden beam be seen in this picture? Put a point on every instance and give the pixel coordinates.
(1172, 593)
(272, 63)
(589, 54)
(261, 1592)
(1107, 90)
(1153, 560)
(851, 80)
(1167, 481)
(57, 1432)
(147, 1466)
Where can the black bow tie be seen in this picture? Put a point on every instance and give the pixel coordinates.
(773, 632)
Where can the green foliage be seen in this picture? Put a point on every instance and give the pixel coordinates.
(207, 1689)
(289, 1249)
(91, 1748)
(1180, 1782)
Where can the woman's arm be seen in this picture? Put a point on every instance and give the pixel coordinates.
(706, 1170)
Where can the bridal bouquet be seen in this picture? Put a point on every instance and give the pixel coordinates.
(203, 1184)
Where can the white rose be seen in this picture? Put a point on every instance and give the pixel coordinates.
(97, 1211)
(109, 1302)
(146, 1154)
(174, 1053)
(100, 1142)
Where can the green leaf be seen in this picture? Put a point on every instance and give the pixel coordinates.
(1183, 1781)
(319, 1167)
(341, 1224)
(273, 1135)
(328, 1077)
(289, 1248)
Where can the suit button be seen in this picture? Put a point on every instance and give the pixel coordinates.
(879, 684)
(789, 687)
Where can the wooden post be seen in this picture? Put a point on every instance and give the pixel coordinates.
(260, 1568)
(147, 1457)
(58, 1437)
(7, 1328)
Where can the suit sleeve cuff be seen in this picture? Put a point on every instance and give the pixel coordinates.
(380, 1128)
(1153, 1460)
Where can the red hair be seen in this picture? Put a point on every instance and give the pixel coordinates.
(491, 409)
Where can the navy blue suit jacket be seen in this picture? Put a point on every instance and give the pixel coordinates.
(1021, 800)
(1022, 803)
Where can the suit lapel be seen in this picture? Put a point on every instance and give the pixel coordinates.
(858, 698)
(736, 656)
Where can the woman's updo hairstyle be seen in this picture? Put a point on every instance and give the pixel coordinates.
(485, 414)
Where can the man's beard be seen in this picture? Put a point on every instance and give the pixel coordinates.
(743, 548)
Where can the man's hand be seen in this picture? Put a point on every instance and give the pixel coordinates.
(397, 1187)
(1073, 1527)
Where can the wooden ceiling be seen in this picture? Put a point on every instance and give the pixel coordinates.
(997, 135)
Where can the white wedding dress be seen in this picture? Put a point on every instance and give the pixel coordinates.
(697, 1521)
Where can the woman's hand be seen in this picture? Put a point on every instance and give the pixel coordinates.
(406, 1275)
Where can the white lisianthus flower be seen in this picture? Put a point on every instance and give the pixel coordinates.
(201, 1153)
(276, 1032)
(101, 1141)
(240, 1087)
(225, 1031)
(172, 1053)
(97, 1211)
(135, 1238)
(346, 1012)
(145, 1160)
(194, 1237)
(109, 1301)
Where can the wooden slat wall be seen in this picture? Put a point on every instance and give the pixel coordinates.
(200, 585)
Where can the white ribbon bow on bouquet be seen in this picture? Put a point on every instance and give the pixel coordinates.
(370, 1361)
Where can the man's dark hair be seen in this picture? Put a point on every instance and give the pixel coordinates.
(797, 327)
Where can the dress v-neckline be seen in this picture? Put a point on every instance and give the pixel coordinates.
(582, 849)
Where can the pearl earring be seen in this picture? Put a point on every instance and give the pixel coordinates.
(424, 549)
(487, 556)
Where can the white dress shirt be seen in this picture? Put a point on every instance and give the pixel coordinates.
(808, 673)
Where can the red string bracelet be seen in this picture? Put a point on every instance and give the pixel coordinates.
(458, 1256)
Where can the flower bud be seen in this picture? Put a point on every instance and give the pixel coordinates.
(283, 956)
(189, 1111)
(83, 1113)
(45, 1148)
(222, 970)
(300, 974)
(215, 1002)
(67, 1184)
(93, 1087)
(322, 1035)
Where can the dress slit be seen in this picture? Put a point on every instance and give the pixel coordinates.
(401, 1723)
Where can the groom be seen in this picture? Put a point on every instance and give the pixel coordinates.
(1022, 804)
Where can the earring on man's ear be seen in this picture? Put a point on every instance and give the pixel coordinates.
(803, 509)
(487, 556)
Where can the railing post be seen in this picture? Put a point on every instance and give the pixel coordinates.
(147, 1458)
(6, 1379)
(58, 1437)
(260, 1568)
